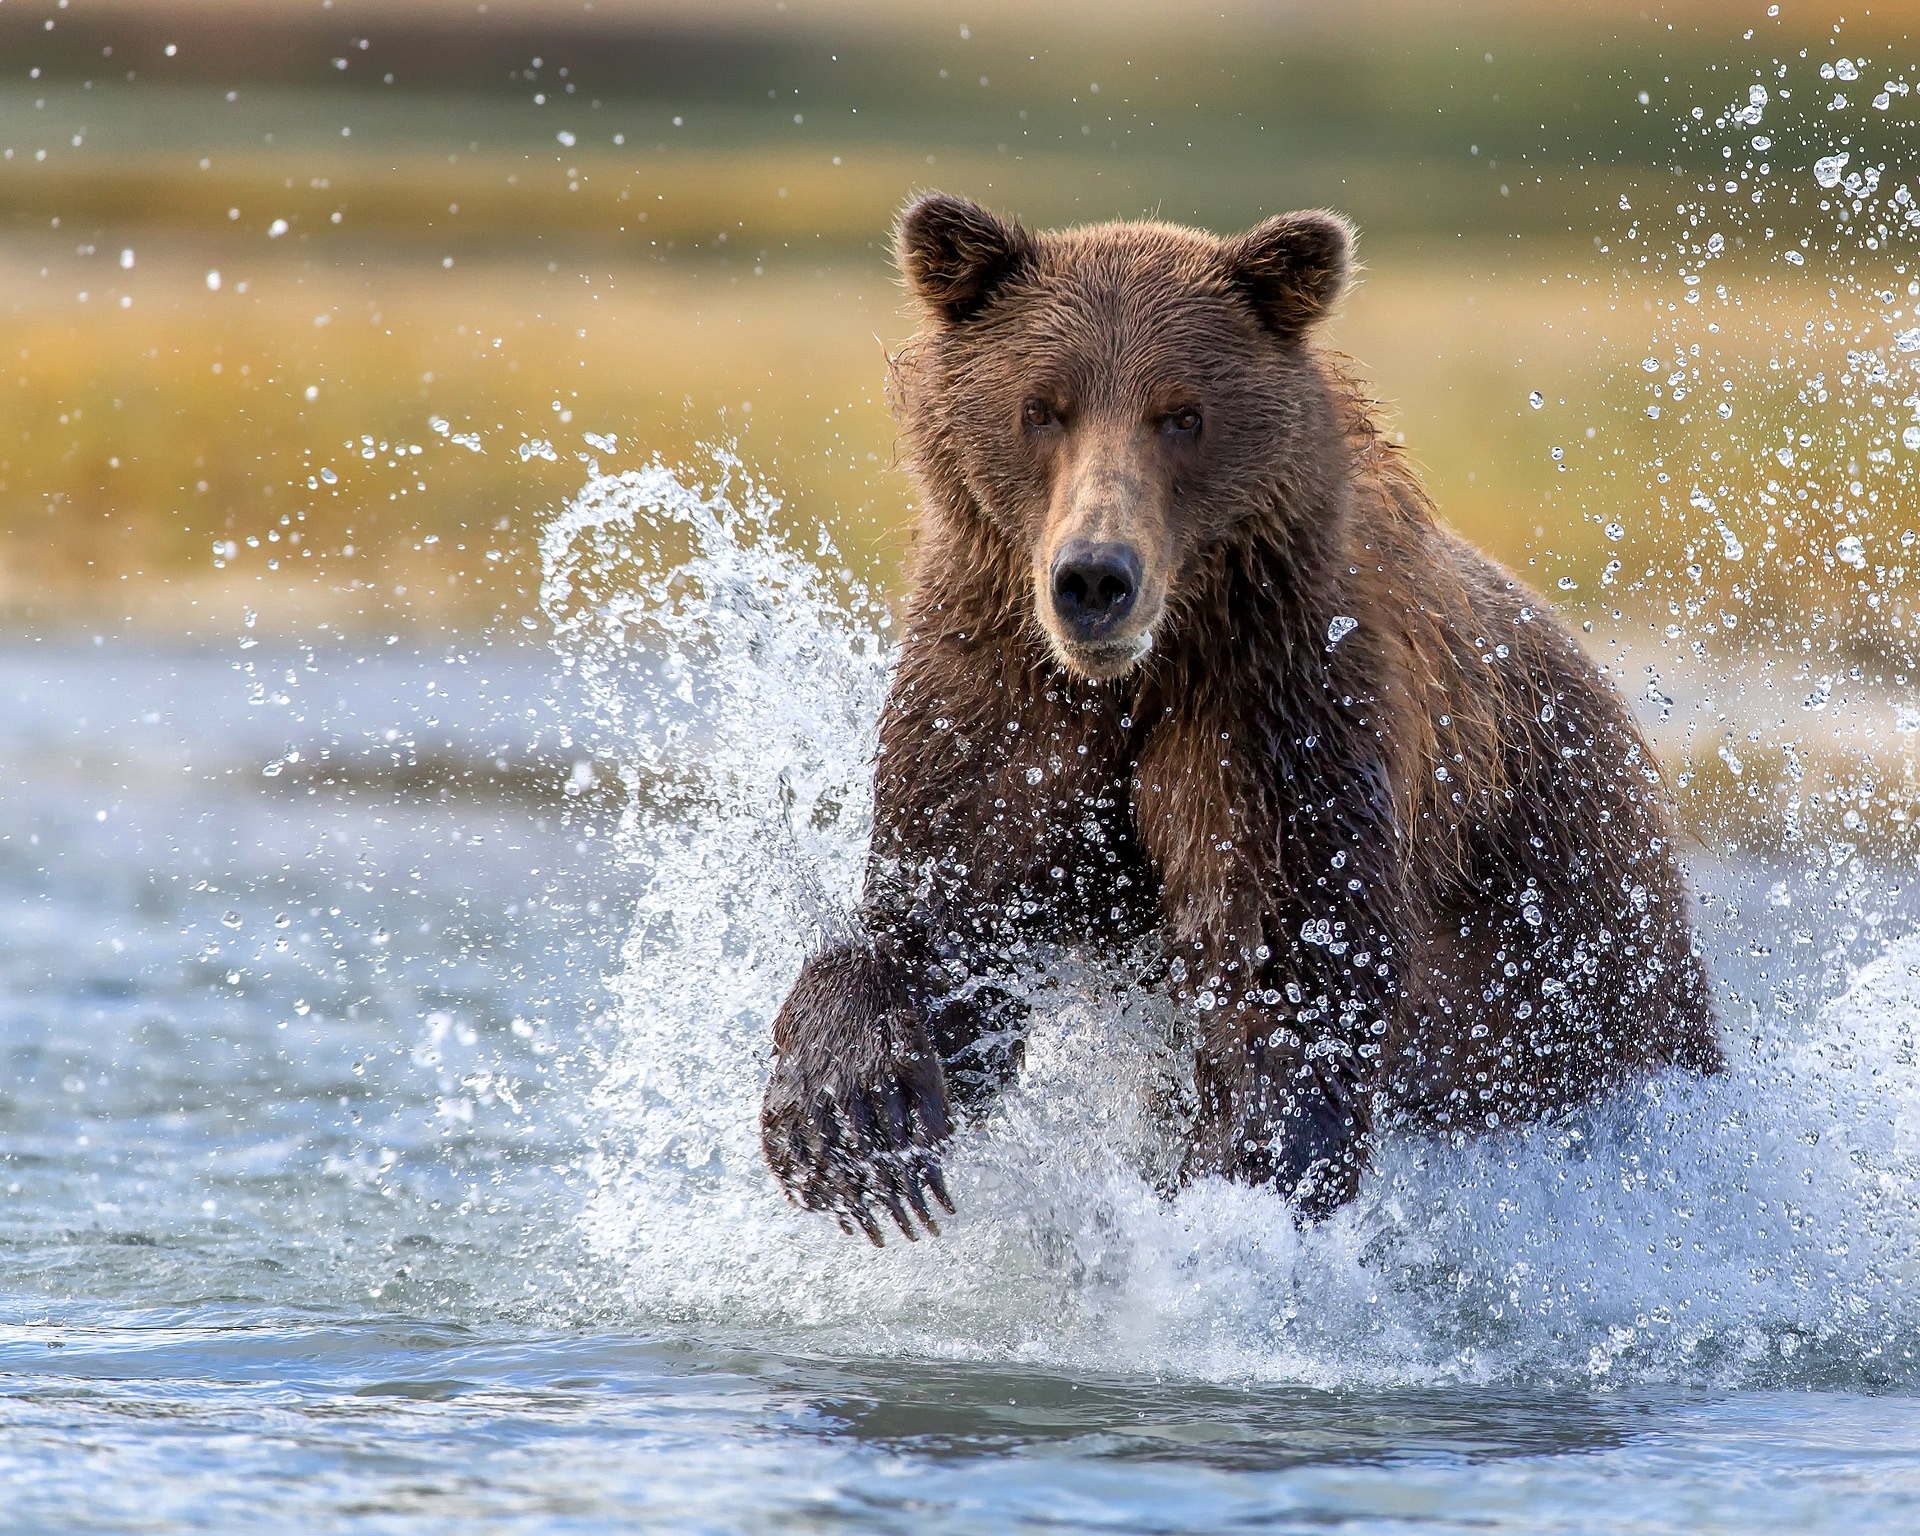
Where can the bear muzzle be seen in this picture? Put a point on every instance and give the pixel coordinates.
(1094, 587)
(1093, 607)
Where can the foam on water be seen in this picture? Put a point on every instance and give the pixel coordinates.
(1764, 1227)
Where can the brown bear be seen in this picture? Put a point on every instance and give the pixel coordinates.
(1188, 656)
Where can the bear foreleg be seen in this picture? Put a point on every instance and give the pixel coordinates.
(1280, 1108)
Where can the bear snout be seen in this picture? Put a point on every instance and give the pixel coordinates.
(1095, 606)
(1094, 587)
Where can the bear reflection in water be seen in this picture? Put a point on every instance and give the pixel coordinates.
(1187, 655)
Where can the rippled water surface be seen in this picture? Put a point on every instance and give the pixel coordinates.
(382, 1034)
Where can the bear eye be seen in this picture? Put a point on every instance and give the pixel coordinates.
(1185, 423)
(1038, 414)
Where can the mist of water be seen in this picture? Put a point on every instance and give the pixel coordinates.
(1762, 555)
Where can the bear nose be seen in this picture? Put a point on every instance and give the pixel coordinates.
(1094, 586)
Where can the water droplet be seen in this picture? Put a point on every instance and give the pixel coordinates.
(1827, 170)
(1852, 551)
(1615, 532)
(1536, 399)
(231, 919)
(1339, 628)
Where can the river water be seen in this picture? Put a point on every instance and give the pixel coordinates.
(382, 1027)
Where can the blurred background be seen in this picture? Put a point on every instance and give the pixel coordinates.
(246, 242)
(310, 305)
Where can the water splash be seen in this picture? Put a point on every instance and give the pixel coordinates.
(1760, 1228)
(1770, 557)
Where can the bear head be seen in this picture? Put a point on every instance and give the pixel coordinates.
(1119, 401)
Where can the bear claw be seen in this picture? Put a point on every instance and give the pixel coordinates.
(864, 1156)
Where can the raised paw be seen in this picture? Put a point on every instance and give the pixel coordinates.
(857, 1106)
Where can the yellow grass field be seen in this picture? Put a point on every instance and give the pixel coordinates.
(284, 344)
(138, 437)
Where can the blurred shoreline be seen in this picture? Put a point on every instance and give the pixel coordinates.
(289, 246)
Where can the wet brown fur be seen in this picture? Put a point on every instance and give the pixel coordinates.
(1425, 873)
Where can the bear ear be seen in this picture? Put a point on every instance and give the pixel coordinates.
(1292, 268)
(955, 254)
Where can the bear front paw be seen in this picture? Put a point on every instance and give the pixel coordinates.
(1310, 1147)
(1313, 1158)
(860, 1139)
(856, 1110)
